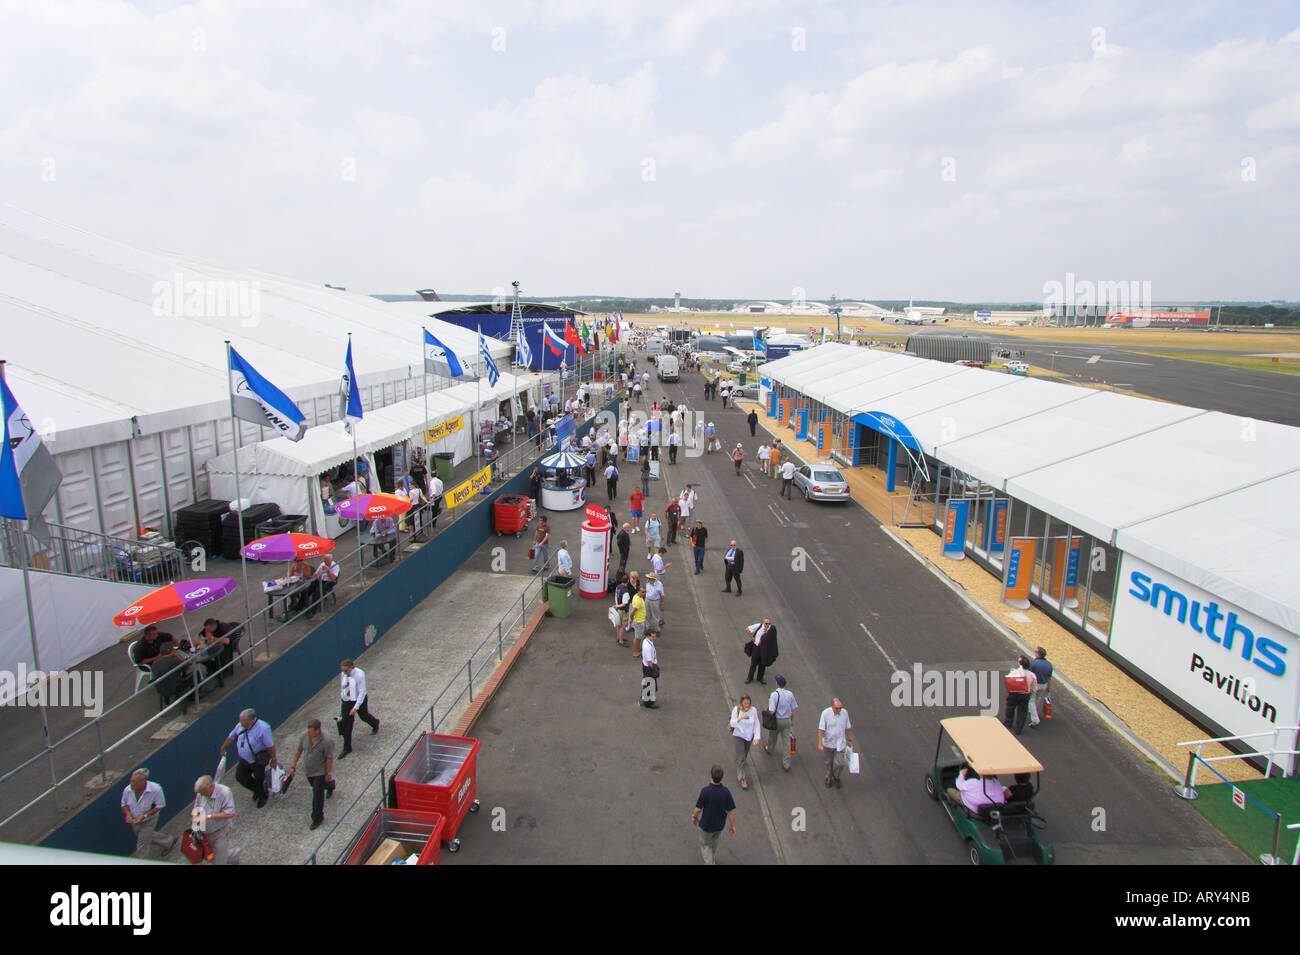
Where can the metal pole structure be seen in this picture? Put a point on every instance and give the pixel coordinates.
(361, 553)
(239, 514)
(425, 376)
(478, 407)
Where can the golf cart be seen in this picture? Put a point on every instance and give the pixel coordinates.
(999, 833)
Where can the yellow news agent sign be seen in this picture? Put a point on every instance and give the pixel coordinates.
(463, 492)
(439, 431)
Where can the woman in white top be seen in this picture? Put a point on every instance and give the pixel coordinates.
(745, 731)
(764, 456)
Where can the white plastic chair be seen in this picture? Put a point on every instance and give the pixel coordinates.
(142, 673)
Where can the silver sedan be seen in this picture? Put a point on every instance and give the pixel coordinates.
(820, 483)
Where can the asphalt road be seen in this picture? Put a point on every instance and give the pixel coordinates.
(1262, 395)
(596, 778)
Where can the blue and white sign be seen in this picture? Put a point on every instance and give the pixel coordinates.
(983, 314)
(995, 527)
(956, 521)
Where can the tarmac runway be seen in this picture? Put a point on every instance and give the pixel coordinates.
(581, 773)
(1261, 395)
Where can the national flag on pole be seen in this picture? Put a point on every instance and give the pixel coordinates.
(439, 359)
(349, 394)
(257, 400)
(523, 354)
(571, 336)
(586, 332)
(489, 366)
(553, 341)
(28, 475)
(759, 344)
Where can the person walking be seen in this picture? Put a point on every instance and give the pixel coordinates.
(535, 488)
(256, 751)
(589, 465)
(654, 603)
(738, 458)
(653, 532)
(761, 648)
(673, 441)
(1042, 671)
(564, 560)
(787, 478)
(687, 499)
(319, 767)
(650, 671)
(435, 498)
(1020, 685)
(624, 542)
(659, 563)
(353, 702)
(645, 476)
(141, 803)
(745, 731)
(752, 418)
(726, 393)
(734, 566)
(699, 545)
(781, 704)
(214, 808)
(611, 481)
(541, 544)
(622, 603)
(774, 460)
(672, 519)
(711, 442)
(834, 740)
(714, 809)
(636, 500)
(764, 456)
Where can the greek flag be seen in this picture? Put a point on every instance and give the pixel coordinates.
(488, 364)
(349, 394)
(255, 399)
(28, 475)
(523, 354)
(439, 359)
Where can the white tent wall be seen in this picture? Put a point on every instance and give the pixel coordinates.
(75, 618)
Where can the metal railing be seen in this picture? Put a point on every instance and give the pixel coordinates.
(77, 552)
(262, 627)
(441, 709)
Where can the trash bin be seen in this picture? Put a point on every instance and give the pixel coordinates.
(284, 524)
(442, 461)
(439, 775)
(559, 594)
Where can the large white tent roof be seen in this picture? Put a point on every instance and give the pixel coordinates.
(115, 351)
(1206, 496)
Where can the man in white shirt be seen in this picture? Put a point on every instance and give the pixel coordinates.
(435, 498)
(354, 702)
(764, 456)
(323, 581)
(834, 739)
(687, 500)
(649, 671)
(141, 803)
(214, 808)
(657, 562)
(782, 705)
(787, 478)
(563, 561)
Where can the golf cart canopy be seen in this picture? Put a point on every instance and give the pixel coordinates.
(989, 747)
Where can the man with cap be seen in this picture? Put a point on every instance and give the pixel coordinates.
(782, 705)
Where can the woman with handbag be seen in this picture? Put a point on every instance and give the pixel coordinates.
(745, 731)
(622, 603)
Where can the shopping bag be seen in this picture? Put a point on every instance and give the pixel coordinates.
(614, 616)
(792, 747)
(275, 780)
(194, 847)
(854, 767)
(532, 553)
(221, 770)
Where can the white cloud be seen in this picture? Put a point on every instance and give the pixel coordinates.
(1282, 114)
(876, 179)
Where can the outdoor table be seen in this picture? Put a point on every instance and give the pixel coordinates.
(381, 544)
(283, 589)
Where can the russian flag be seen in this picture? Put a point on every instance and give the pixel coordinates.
(553, 341)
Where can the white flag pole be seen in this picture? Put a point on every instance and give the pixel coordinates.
(31, 631)
(424, 350)
(239, 514)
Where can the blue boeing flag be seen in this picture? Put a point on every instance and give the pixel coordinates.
(488, 364)
(349, 393)
(439, 359)
(759, 344)
(255, 399)
(28, 475)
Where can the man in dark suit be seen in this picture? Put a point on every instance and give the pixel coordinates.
(624, 541)
(734, 564)
(763, 637)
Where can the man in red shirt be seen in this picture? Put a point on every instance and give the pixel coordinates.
(637, 500)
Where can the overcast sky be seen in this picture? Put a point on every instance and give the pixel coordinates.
(718, 147)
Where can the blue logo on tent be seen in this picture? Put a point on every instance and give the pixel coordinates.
(890, 426)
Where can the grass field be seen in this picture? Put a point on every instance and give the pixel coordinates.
(1254, 340)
